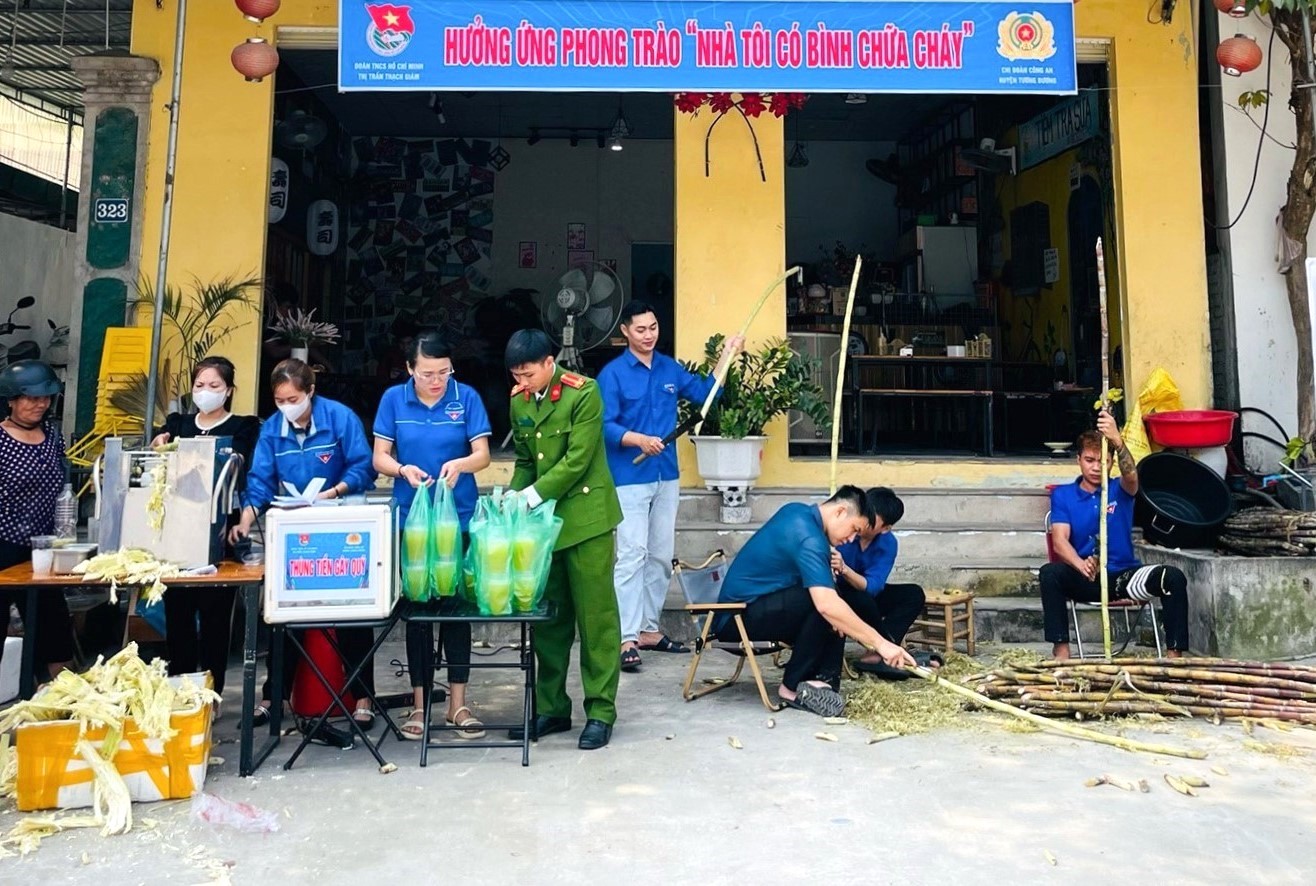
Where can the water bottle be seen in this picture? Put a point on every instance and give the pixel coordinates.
(66, 514)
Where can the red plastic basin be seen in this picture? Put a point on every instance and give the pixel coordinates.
(1191, 428)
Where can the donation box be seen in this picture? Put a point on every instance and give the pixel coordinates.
(329, 563)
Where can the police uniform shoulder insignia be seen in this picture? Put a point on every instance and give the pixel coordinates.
(572, 380)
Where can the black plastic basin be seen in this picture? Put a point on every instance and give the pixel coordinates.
(1181, 502)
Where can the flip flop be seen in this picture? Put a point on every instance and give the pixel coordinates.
(667, 644)
(930, 660)
(821, 700)
(630, 660)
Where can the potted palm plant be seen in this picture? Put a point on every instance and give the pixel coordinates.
(301, 331)
(760, 385)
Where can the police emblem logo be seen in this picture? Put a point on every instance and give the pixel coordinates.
(1026, 36)
(390, 29)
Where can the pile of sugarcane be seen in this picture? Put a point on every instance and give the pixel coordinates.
(1267, 532)
(1210, 688)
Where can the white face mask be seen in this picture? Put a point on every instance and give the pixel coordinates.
(209, 401)
(294, 411)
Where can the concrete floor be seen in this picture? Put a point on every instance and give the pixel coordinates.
(671, 801)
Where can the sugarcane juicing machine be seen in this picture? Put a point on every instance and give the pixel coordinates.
(174, 503)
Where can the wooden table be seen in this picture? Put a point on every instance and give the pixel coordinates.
(249, 579)
(915, 382)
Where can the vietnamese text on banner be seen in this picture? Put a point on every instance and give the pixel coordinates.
(644, 45)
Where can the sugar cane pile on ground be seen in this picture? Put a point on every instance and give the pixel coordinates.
(1210, 688)
(1266, 532)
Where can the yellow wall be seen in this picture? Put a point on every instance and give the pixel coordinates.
(729, 226)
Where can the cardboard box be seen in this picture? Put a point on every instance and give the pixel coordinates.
(51, 774)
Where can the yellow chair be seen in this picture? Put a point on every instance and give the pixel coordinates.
(124, 362)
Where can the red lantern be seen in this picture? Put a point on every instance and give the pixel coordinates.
(1238, 55)
(1232, 8)
(259, 10)
(255, 59)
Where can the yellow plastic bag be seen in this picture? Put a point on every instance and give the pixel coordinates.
(1159, 394)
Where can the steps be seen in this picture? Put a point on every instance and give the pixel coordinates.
(986, 540)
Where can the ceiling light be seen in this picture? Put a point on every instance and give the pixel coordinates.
(614, 143)
(534, 136)
(620, 129)
(856, 98)
(798, 159)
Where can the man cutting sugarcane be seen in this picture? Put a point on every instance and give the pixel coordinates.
(1074, 573)
(557, 423)
(642, 390)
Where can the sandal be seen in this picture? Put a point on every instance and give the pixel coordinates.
(930, 660)
(414, 728)
(667, 644)
(821, 700)
(260, 716)
(468, 727)
(630, 660)
(365, 718)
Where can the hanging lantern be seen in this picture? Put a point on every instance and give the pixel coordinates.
(1238, 55)
(322, 227)
(278, 190)
(1232, 8)
(255, 59)
(259, 10)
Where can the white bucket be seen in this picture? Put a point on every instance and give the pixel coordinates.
(1214, 457)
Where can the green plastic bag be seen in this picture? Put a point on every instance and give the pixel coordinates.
(445, 542)
(535, 534)
(416, 548)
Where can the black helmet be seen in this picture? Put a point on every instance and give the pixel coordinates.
(29, 378)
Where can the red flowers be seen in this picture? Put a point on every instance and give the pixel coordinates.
(689, 102)
(783, 102)
(752, 104)
(721, 102)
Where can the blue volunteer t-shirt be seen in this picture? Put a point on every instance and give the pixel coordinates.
(791, 550)
(875, 563)
(1081, 511)
(644, 399)
(429, 436)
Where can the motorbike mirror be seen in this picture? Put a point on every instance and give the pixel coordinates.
(26, 301)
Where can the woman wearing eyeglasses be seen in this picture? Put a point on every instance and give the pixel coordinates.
(432, 428)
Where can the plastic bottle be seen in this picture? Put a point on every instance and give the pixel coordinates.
(66, 514)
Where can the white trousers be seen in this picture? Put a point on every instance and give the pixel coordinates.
(646, 540)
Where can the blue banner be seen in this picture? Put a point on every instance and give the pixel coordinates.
(326, 561)
(926, 46)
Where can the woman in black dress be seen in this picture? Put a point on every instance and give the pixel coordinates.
(205, 647)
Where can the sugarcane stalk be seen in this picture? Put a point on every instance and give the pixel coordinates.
(1063, 728)
(1105, 451)
(840, 372)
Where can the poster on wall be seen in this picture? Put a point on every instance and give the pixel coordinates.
(576, 235)
(527, 254)
(694, 45)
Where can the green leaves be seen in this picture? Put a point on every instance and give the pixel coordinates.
(761, 385)
(1294, 450)
(1253, 99)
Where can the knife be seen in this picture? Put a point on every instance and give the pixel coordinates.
(683, 428)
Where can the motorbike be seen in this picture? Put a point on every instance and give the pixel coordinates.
(24, 350)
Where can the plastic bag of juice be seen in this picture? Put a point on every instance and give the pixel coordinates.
(416, 548)
(491, 555)
(445, 542)
(536, 534)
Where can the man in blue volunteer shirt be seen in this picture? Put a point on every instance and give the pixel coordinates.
(641, 391)
(784, 576)
(1074, 575)
(863, 567)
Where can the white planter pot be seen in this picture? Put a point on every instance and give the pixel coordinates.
(303, 354)
(729, 464)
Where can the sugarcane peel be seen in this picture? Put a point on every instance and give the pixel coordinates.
(130, 566)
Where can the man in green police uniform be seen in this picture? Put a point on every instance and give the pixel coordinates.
(557, 421)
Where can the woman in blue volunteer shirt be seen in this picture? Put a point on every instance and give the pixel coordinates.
(433, 428)
(311, 438)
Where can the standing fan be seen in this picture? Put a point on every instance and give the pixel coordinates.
(581, 310)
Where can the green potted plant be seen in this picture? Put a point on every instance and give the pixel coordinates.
(761, 385)
(301, 330)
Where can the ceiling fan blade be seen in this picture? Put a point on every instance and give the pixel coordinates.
(601, 287)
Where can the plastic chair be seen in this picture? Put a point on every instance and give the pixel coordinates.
(700, 585)
(1123, 604)
(124, 363)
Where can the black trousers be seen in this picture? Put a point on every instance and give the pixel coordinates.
(891, 612)
(192, 648)
(1062, 582)
(455, 639)
(54, 638)
(789, 616)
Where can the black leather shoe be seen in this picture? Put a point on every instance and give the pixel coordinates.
(541, 726)
(595, 735)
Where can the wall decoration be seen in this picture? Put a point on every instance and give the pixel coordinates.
(420, 236)
(579, 257)
(527, 254)
(576, 235)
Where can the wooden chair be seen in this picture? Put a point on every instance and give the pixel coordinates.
(1124, 605)
(700, 585)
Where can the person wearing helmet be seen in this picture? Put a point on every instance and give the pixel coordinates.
(32, 472)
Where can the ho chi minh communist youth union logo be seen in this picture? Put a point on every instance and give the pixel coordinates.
(391, 28)
(1026, 35)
